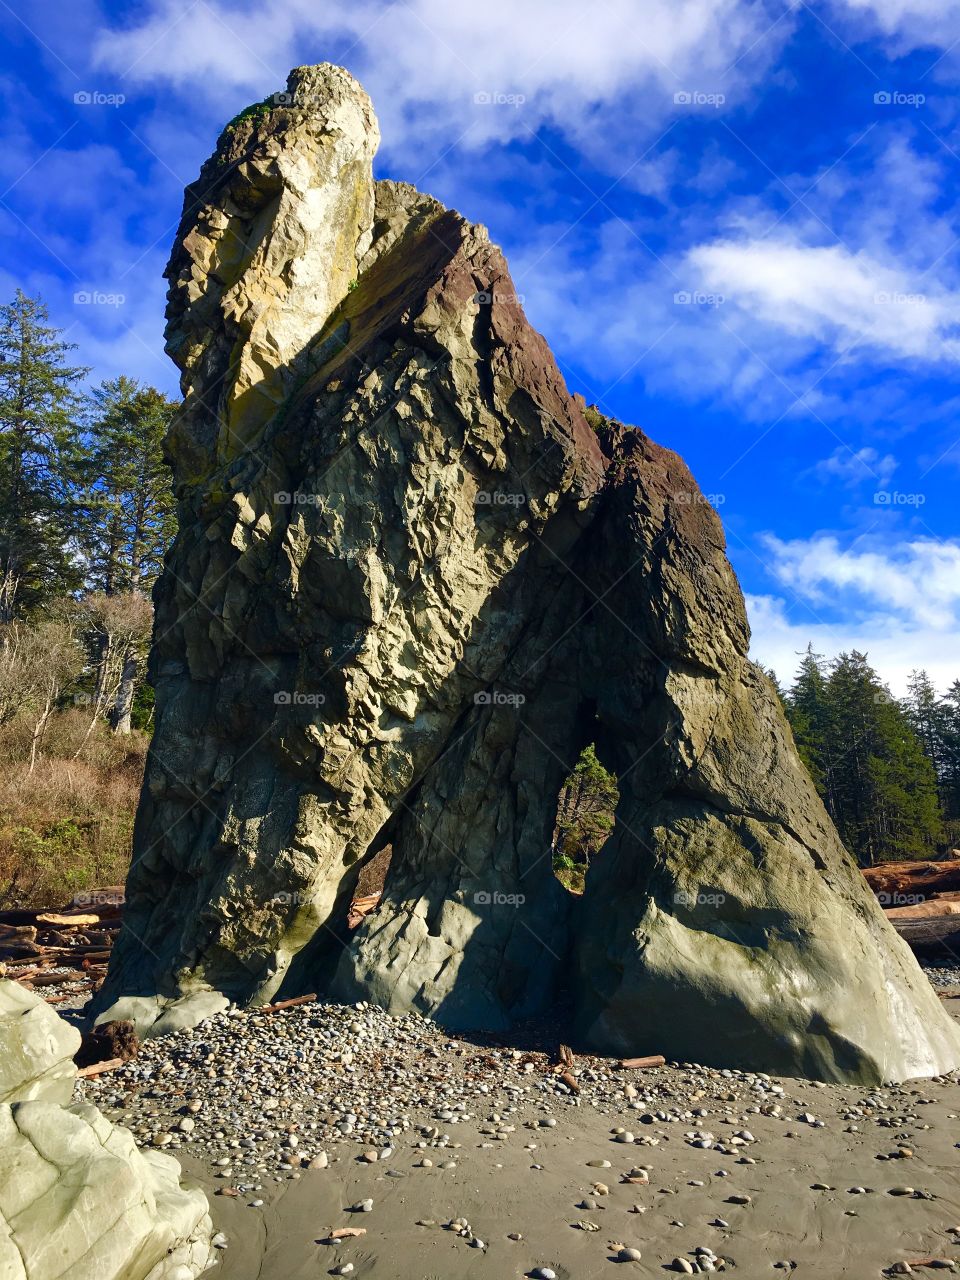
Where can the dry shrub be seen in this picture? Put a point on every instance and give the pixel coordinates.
(68, 825)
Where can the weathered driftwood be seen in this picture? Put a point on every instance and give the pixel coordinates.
(287, 1004)
(899, 884)
(930, 931)
(360, 908)
(99, 1068)
(920, 899)
(654, 1060)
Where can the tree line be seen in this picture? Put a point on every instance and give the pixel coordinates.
(86, 513)
(887, 768)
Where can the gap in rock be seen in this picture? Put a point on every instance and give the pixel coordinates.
(586, 806)
(374, 869)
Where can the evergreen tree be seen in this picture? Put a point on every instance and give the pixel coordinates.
(950, 711)
(928, 718)
(129, 523)
(809, 716)
(40, 455)
(130, 518)
(882, 788)
(585, 818)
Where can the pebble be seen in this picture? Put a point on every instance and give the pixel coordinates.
(683, 1266)
(543, 1273)
(629, 1255)
(343, 1083)
(362, 1206)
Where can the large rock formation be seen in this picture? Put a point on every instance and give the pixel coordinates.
(77, 1198)
(412, 582)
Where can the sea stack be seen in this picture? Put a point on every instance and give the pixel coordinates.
(414, 578)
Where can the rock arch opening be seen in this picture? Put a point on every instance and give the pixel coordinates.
(586, 816)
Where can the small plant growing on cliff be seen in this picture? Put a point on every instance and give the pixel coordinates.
(255, 113)
(596, 419)
(585, 818)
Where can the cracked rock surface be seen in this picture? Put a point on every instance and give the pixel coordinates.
(414, 578)
(77, 1197)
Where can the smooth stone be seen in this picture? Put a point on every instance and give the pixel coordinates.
(629, 1255)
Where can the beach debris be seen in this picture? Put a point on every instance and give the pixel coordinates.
(99, 1068)
(287, 1004)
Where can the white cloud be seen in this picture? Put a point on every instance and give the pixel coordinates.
(916, 582)
(833, 296)
(853, 467)
(781, 633)
(578, 67)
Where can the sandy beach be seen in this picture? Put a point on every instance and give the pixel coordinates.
(458, 1159)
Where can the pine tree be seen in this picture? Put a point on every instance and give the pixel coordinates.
(40, 454)
(131, 514)
(883, 789)
(928, 718)
(585, 817)
(809, 716)
(129, 523)
(950, 711)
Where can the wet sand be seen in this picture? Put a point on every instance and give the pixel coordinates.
(799, 1173)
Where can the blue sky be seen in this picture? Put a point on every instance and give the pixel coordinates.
(738, 224)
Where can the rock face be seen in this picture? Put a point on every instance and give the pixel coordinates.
(36, 1048)
(77, 1198)
(414, 578)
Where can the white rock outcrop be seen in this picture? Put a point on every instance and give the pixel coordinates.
(36, 1049)
(78, 1200)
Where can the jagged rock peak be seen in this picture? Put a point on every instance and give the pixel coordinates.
(412, 581)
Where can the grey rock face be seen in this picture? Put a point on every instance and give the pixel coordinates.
(77, 1199)
(36, 1048)
(412, 582)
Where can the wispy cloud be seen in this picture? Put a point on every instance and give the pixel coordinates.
(917, 581)
(853, 467)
